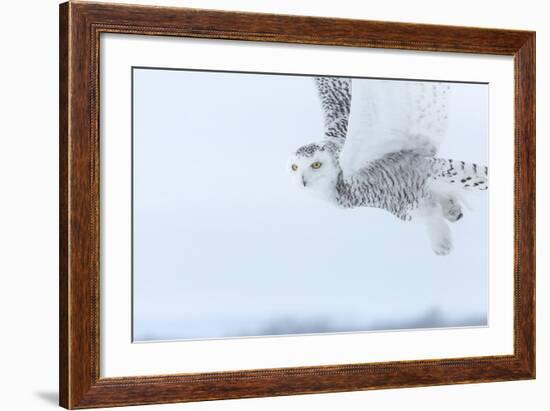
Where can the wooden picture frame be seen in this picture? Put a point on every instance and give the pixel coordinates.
(81, 24)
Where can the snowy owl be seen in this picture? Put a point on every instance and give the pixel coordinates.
(379, 150)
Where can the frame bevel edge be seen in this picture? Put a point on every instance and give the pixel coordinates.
(254, 26)
(63, 206)
(525, 198)
(77, 200)
(125, 391)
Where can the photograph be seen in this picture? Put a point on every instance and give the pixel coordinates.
(286, 204)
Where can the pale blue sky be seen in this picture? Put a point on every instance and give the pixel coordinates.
(224, 246)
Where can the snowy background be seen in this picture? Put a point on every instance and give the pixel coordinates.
(225, 247)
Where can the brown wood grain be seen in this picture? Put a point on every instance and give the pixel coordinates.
(63, 205)
(80, 27)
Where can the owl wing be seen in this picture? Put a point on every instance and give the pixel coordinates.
(335, 97)
(388, 116)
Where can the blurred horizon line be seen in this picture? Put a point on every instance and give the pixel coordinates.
(286, 325)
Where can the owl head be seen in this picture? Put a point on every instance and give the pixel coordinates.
(314, 167)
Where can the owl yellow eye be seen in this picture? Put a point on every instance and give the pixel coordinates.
(294, 167)
(316, 165)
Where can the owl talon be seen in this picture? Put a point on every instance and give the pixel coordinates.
(443, 248)
(452, 211)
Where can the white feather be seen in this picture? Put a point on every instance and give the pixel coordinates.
(388, 116)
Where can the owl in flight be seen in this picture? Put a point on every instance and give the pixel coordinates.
(379, 150)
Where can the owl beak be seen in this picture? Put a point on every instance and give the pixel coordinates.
(304, 181)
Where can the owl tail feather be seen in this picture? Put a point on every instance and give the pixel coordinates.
(459, 174)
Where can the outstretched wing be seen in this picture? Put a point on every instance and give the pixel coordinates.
(335, 96)
(388, 116)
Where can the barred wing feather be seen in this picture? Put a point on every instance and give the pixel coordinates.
(335, 96)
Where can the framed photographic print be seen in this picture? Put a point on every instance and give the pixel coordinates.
(258, 205)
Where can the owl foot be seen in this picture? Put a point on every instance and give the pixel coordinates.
(452, 211)
(442, 248)
(439, 235)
